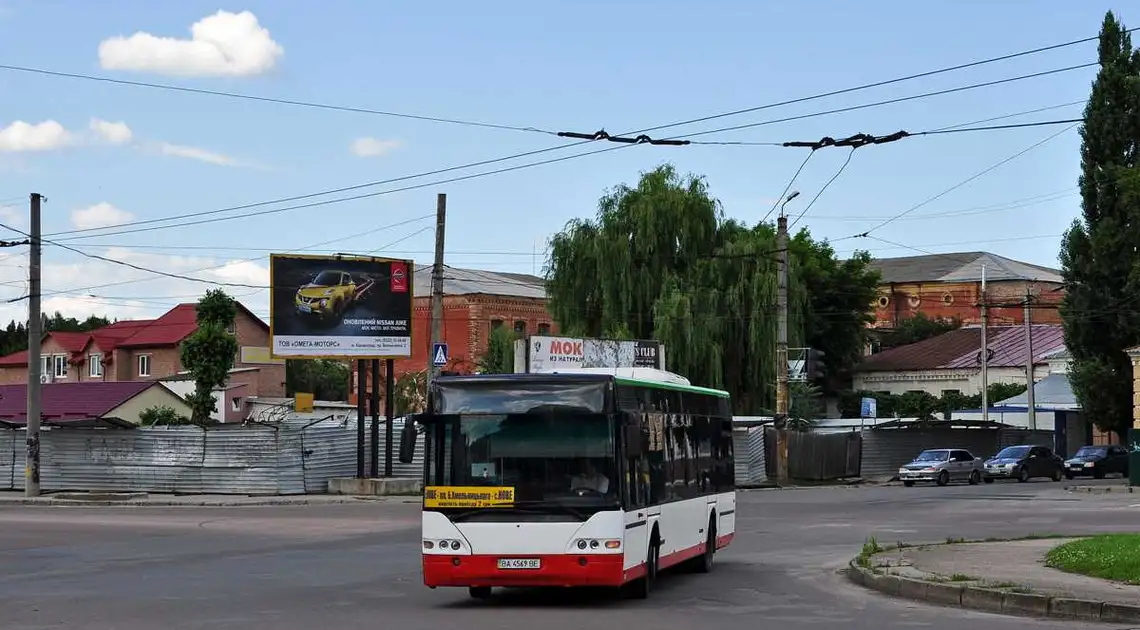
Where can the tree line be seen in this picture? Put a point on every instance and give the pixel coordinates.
(14, 337)
(661, 261)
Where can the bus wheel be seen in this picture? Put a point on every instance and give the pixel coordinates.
(639, 589)
(704, 563)
(479, 592)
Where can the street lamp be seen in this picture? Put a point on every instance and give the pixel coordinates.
(795, 193)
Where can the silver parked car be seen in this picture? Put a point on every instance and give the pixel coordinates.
(943, 465)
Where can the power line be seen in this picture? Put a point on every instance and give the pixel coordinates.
(670, 125)
(158, 273)
(1043, 123)
(1013, 115)
(901, 99)
(270, 99)
(791, 181)
(1014, 204)
(834, 177)
(962, 183)
(330, 201)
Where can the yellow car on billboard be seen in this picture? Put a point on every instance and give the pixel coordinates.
(328, 295)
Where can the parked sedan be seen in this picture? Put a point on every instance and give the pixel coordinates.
(942, 466)
(1024, 463)
(1097, 461)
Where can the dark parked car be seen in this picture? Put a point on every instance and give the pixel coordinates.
(1024, 463)
(1097, 461)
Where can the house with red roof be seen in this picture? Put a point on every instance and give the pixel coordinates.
(951, 362)
(147, 350)
(89, 403)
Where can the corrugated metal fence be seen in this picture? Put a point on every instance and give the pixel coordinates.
(885, 450)
(748, 456)
(291, 457)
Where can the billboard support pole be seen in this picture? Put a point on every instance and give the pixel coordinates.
(374, 402)
(437, 285)
(389, 412)
(361, 386)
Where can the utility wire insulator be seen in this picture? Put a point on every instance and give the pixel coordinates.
(602, 135)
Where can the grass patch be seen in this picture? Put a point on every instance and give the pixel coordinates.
(870, 548)
(1113, 557)
(961, 577)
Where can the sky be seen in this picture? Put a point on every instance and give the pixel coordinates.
(106, 154)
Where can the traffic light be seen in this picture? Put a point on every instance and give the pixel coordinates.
(814, 365)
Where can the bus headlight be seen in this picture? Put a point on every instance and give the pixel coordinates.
(595, 544)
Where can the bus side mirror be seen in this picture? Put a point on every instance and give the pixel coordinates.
(408, 440)
(634, 441)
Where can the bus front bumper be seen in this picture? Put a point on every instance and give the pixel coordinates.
(553, 570)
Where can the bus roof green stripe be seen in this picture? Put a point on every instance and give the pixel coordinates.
(720, 393)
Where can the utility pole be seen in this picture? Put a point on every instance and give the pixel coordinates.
(437, 285)
(1030, 401)
(35, 323)
(361, 413)
(781, 419)
(389, 412)
(985, 353)
(374, 403)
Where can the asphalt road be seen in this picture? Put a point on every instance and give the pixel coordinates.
(357, 566)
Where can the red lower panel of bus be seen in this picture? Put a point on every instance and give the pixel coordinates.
(554, 570)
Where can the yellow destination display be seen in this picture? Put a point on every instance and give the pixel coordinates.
(468, 496)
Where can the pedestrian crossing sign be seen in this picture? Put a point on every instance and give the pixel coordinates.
(439, 354)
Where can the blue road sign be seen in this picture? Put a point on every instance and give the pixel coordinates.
(439, 354)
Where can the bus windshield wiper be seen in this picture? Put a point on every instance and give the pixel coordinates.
(496, 510)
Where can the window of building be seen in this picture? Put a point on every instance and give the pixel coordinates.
(144, 365)
(95, 365)
(232, 328)
(950, 392)
(496, 324)
(235, 403)
(46, 364)
(60, 365)
(544, 329)
(520, 329)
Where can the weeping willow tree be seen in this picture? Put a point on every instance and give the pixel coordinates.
(661, 262)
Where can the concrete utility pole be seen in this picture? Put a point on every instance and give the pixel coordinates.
(781, 419)
(985, 353)
(1030, 401)
(437, 285)
(35, 323)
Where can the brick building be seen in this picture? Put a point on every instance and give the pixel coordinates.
(143, 350)
(474, 303)
(950, 285)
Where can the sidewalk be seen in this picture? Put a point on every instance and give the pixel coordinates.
(1007, 577)
(142, 499)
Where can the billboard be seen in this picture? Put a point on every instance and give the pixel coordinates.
(546, 354)
(340, 307)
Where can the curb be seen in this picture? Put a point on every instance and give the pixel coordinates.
(167, 503)
(992, 600)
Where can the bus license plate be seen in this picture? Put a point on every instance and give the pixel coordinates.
(520, 563)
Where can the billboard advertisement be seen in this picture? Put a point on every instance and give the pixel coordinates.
(342, 307)
(546, 354)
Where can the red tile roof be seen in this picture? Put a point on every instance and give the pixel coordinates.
(958, 349)
(63, 402)
(168, 330)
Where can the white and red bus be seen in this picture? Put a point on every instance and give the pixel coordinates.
(571, 480)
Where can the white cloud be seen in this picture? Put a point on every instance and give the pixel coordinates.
(202, 155)
(99, 215)
(222, 44)
(144, 295)
(45, 136)
(372, 147)
(113, 132)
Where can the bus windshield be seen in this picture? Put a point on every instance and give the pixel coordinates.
(565, 458)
